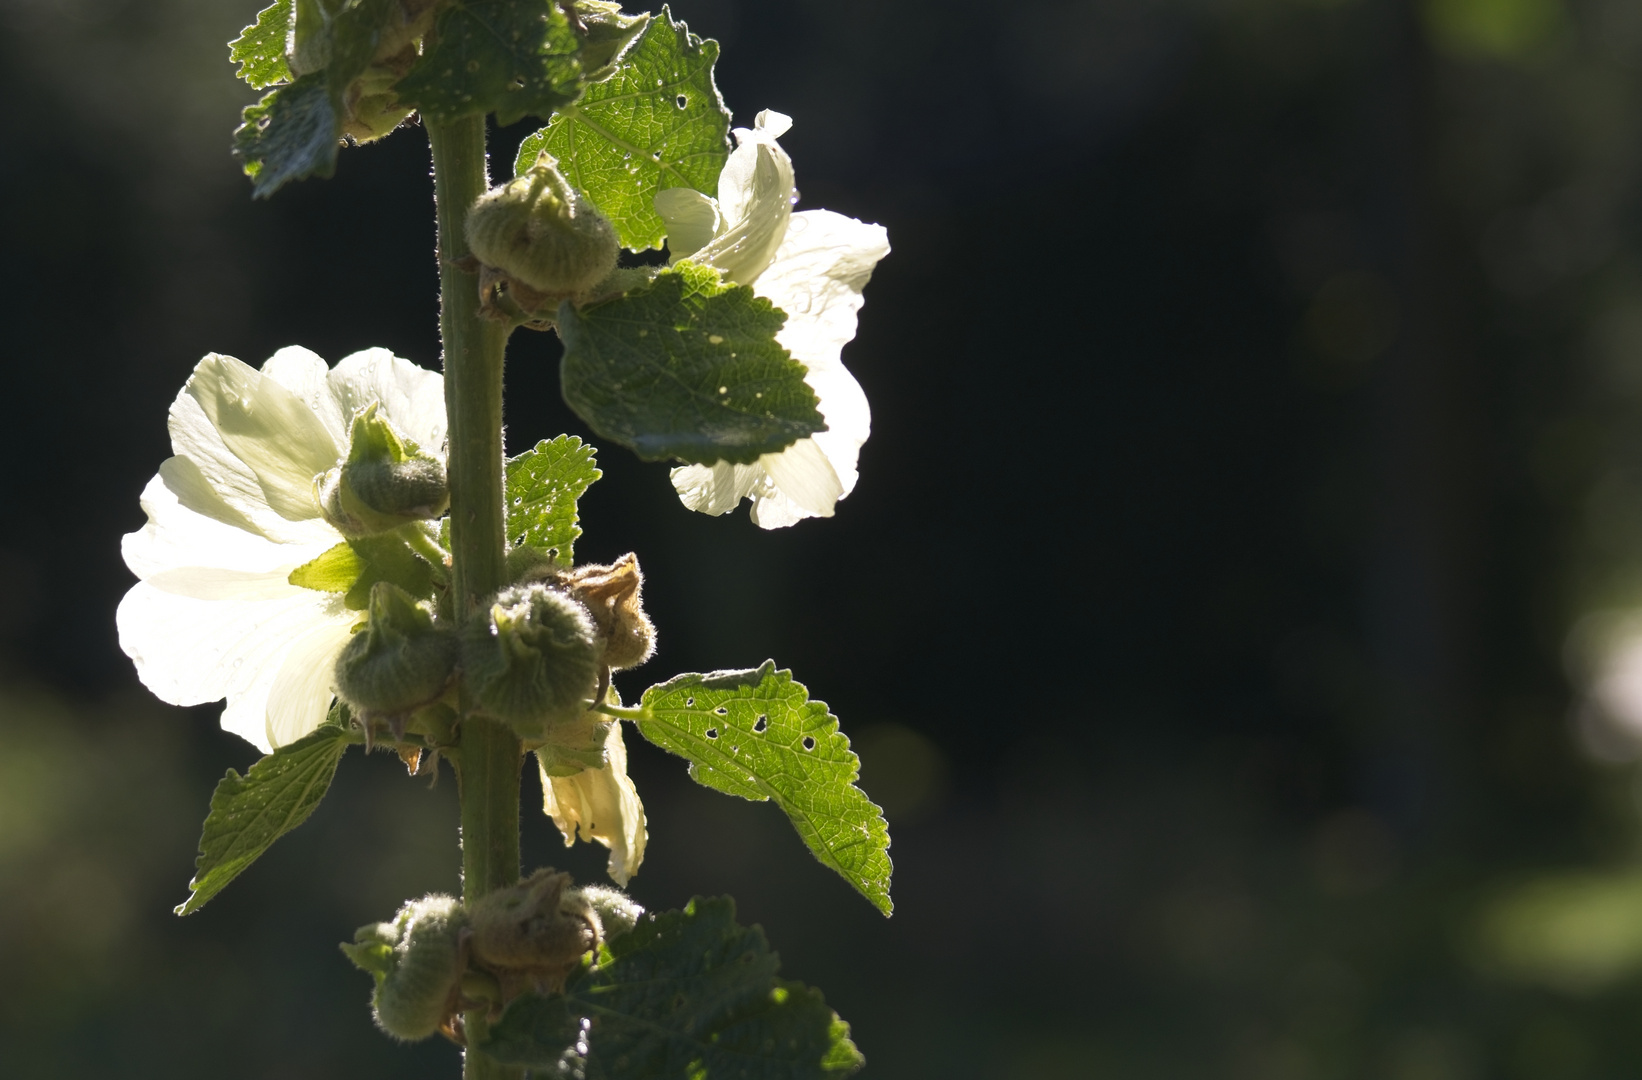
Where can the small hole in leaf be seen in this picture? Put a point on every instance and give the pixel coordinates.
(722, 711)
(689, 701)
(681, 101)
(712, 733)
(518, 500)
(809, 743)
(762, 723)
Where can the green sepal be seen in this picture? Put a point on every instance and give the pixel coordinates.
(353, 566)
(684, 994)
(260, 48)
(628, 138)
(757, 734)
(514, 58)
(543, 486)
(608, 31)
(687, 368)
(248, 813)
(372, 951)
(291, 134)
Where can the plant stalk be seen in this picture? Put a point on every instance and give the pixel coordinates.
(491, 756)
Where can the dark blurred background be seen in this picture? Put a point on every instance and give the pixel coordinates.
(1234, 616)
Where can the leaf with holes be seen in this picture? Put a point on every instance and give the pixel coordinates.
(248, 813)
(688, 368)
(542, 488)
(291, 134)
(514, 58)
(758, 735)
(260, 48)
(684, 994)
(656, 122)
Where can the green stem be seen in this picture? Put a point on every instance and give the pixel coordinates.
(491, 755)
(620, 712)
(425, 546)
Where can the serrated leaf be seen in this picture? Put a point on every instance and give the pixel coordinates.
(353, 566)
(248, 813)
(542, 488)
(656, 122)
(758, 735)
(291, 134)
(514, 58)
(260, 48)
(688, 368)
(685, 994)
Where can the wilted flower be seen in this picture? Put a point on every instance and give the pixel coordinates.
(812, 265)
(215, 614)
(601, 805)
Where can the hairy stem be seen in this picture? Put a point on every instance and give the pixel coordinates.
(491, 756)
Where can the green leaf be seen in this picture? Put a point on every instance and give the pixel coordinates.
(353, 566)
(291, 134)
(542, 488)
(515, 58)
(686, 994)
(687, 368)
(656, 122)
(249, 813)
(260, 48)
(758, 735)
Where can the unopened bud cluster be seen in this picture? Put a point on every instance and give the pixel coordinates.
(436, 958)
(538, 658)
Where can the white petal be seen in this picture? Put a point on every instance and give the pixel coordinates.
(804, 476)
(601, 805)
(301, 692)
(302, 372)
(189, 651)
(692, 219)
(716, 489)
(771, 124)
(258, 444)
(819, 271)
(849, 421)
(413, 398)
(755, 195)
(179, 540)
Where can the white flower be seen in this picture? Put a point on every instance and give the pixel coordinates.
(602, 805)
(214, 614)
(812, 265)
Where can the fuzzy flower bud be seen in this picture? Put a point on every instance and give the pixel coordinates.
(399, 661)
(539, 231)
(417, 962)
(534, 662)
(385, 482)
(612, 596)
(531, 935)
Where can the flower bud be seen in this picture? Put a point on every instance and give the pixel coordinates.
(616, 910)
(386, 481)
(611, 595)
(534, 661)
(417, 962)
(530, 936)
(542, 233)
(399, 661)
